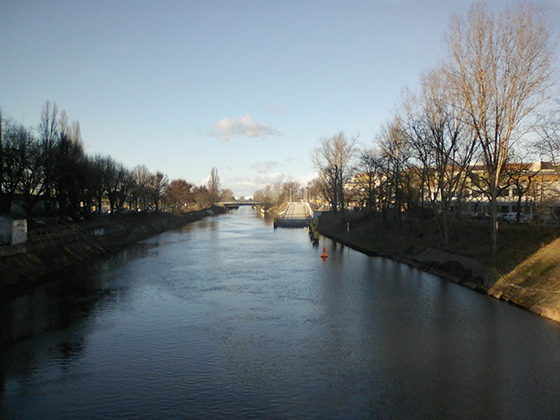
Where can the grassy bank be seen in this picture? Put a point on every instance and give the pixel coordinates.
(524, 270)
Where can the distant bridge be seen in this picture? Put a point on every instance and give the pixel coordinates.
(236, 204)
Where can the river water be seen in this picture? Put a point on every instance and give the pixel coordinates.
(229, 318)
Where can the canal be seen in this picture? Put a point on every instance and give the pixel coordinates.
(229, 318)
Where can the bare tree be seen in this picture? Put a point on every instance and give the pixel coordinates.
(142, 177)
(159, 184)
(179, 195)
(501, 68)
(124, 186)
(111, 181)
(2, 193)
(88, 179)
(334, 160)
(99, 179)
(289, 192)
(266, 196)
(395, 153)
(442, 144)
(32, 184)
(117, 181)
(16, 143)
(49, 130)
(368, 180)
(521, 176)
(201, 197)
(548, 130)
(68, 161)
(227, 195)
(214, 187)
(314, 191)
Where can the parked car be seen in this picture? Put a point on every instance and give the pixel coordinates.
(503, 216)
(511, 217)
(482, 216)
(526, 218)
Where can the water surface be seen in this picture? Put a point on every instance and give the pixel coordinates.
(230, 318)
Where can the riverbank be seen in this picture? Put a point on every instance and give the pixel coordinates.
(524, 271)
(49, 251)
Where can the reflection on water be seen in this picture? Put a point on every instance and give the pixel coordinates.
(230, 318)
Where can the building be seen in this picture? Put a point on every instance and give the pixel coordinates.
(534, 188)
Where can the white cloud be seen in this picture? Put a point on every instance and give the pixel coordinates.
(228, 127)
(305, 179)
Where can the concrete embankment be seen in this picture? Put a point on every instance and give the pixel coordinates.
(51, 251)
(533, 284)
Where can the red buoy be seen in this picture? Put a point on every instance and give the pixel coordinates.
(324, 254)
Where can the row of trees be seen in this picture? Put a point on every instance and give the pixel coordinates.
(279, 193)
(471, 109)
(47, 171)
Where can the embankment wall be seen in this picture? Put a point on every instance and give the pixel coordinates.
(47, 254)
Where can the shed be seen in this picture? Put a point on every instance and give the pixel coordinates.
(13, 229)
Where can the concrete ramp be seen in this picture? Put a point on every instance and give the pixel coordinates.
(296, 215)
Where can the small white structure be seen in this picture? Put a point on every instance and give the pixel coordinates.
(13, 229)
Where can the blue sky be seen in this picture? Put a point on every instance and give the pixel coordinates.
(247, 87)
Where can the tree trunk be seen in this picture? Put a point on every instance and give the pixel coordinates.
(494, 214)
